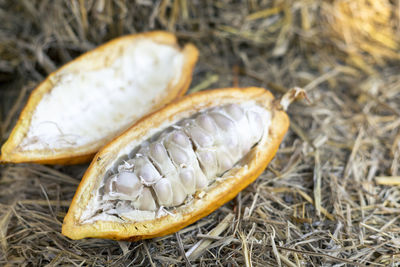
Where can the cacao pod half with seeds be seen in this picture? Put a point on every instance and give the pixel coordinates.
(86, 103)
(178, 164)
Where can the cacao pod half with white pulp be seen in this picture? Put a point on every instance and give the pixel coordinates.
(89, 101)
(178, 164)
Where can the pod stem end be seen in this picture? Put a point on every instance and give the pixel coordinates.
(293, 94)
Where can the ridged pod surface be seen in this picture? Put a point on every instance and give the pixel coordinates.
(178, 164)
(89, 101)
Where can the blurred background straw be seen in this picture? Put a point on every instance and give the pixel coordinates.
(330, 197)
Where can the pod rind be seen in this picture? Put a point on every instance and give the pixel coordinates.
(221, 191)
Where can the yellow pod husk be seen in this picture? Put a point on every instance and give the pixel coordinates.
(101, 209)
(86, 103)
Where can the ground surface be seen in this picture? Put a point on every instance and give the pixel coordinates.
(323, 200)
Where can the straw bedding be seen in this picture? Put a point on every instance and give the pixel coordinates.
(331, 196)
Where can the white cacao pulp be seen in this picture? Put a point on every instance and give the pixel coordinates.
(167, 170)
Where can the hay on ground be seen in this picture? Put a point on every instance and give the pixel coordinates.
(329, 197)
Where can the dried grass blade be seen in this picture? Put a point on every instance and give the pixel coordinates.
(388, 180)
(198, 249)
(317, 183)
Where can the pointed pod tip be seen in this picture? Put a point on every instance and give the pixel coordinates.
(3, 160)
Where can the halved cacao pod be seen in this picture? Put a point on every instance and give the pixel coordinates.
(86, 103)
(178, 164)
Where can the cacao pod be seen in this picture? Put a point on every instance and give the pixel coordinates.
(178, 164)
(89, 101)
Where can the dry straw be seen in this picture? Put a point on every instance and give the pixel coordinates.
(366, 31)
(328, 198)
